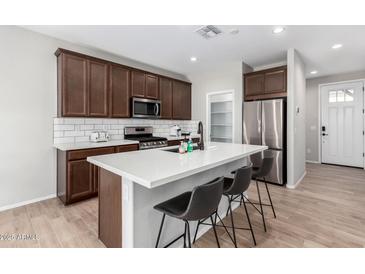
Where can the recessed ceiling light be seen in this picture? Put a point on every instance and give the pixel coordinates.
(314, 72)
(337, 46)
(193, 59)
(278, 30)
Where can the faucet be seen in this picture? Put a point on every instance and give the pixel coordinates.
(201, 132)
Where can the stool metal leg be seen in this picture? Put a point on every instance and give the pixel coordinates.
(215, 231)
(185, 236)
(196, 231)
(234, 232)
(261, 208)
(160, 230)
(188, 233)
(249, 222)
(268, 194)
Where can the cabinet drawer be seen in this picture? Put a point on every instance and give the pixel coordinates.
(84, 153)
(126, 148)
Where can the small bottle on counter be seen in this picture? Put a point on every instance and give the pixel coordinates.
(190, 145)
(182, 147)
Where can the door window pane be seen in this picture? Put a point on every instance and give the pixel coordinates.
(349, 95)
(340, 96)
(332, 96)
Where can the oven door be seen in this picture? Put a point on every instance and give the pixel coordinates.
(145, 108)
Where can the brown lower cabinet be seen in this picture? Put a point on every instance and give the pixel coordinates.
(77, 179)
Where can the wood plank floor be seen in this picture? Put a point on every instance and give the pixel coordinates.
(326, 210)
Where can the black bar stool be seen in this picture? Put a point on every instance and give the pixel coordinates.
(201, 203)
(261, 173)
(233, 190)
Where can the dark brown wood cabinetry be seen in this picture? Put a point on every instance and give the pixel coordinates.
(265, 84)
(152, 86)
(181, 100)
(138, 82)
(72, 84)
(119, 91)
(98, 88)
(166, 98)
(92, 87)
(77, 179)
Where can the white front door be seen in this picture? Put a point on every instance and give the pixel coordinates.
(342, 124)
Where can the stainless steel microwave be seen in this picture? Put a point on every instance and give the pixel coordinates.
(146, 108)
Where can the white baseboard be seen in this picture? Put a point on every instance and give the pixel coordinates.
(3, 208)
(312, 162)
(298, 182)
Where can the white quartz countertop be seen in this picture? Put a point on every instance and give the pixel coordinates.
(85, 145)
(156, 167)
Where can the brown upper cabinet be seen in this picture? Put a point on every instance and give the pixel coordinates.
(98, 88)
(72, 85)
(119, 91)
(181, 100)
(266, 84)
(138, 81)
(166, 97)
(92, 87)
(152, 86)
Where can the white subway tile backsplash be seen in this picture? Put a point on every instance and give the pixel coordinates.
(73, 121)
(81, 139)
(116, 126)
(90, 121)
(86, 127)
(74, 133)
(58, 121)
(57, 134)
(63, 127)
(69, 130)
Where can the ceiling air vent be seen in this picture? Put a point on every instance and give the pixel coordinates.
(208, 32)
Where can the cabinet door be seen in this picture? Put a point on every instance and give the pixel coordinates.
(80, 183)
(119, 92)
(181, 100)
(138, 83)
(152, 86)
(73, 81)
(126, 148)
(275, 81)
(95, 178)
(254, 84)
(98, 89)
(166, 98)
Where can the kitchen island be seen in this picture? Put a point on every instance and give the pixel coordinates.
(131, 183)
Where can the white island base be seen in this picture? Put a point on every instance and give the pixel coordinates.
(131, 183)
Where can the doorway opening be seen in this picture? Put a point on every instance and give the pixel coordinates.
(220, 116)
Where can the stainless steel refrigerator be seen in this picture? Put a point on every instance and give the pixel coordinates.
(264, 123)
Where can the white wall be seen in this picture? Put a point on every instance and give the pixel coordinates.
(296, 121)
(27, 107)
(312, 111)
(219, 78)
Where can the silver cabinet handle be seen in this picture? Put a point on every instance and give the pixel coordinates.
(157, 109)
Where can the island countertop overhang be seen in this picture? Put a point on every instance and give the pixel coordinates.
(156, 167)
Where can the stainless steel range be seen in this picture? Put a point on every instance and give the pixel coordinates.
(144, 135)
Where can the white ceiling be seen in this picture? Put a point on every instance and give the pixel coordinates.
(170, 47)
